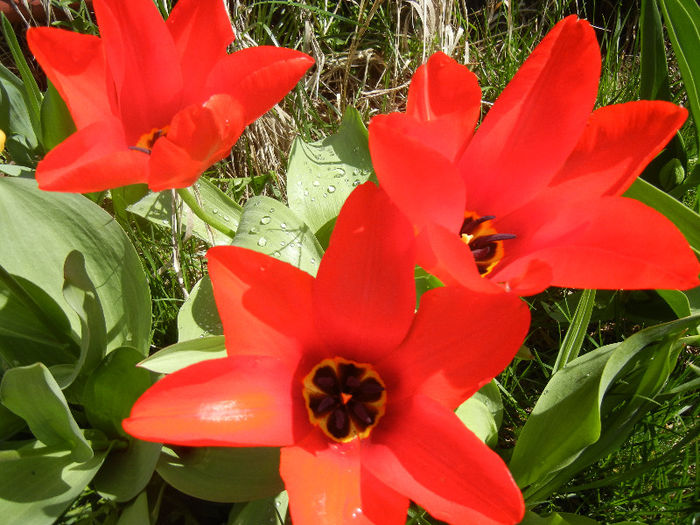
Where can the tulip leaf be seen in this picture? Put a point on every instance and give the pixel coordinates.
(571, 427)
(38, 483)
(268, 510)
(653, 83)
(185, 353)
(477, 418)
(125, 473)
(32, 393)
(10, 423)
(683, 217)
(556, 518)
(41, 228)
(112, 389)
(222, 474)
(571, 346)
(268, 226)
(321, 174)
(157, 208)
(682, 19)
(15, 121)
(136, 513)
(56, 121)
(198, 316)
(677, 300)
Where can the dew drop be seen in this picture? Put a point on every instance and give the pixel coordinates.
(313, 261)
(253, 230)
(265, 220)
(306, 193)
(215, 211)
(262, 241)
(226, 218)
(277, 254)
(331, 189)
(272, 210)
(316, 183)
(356, 183)
(283, 225)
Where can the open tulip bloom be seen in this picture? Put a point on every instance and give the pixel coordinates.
(357, 388)
(533, 197)
(155, 101)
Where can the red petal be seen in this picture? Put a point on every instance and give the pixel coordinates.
(421, 181)
(201, 31)
(92, 159)
(425, 452)
(535, 123)
(264, 304)
(76, 66)
(327, 485)
(459, 341)
(143, 61)
(199, 136)
(445, 97)
(617, 243)
(364, 295)
(618, 142)
(245, 400)
(259, 77)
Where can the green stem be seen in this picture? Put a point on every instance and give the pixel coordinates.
(207, 217)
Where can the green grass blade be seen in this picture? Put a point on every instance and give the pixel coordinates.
(576, 333)
(653, 84)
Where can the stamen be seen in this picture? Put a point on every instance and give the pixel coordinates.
(485, 243)
(142, 150)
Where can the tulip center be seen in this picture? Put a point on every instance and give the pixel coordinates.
(147, 140)
(344, 398)
(483, 240)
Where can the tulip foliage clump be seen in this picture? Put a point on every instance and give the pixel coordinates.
(361, 349)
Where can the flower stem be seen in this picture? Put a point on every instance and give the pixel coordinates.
(207, 217)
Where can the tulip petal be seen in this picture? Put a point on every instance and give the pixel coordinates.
(617, 243)
(327, 485)
(143, 61)
(75, 65)
(199, 136)
(425, 452)
(364, 295)
(535, 123)
(264, 304)
(93, 159)
(459, 341)
(234, 401)
(445, 98)
(258, 77)
(420, 181)
(201, 31)
(618, 142)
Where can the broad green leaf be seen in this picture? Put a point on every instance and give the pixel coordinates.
(112, 389)
(136, 513)
(15, 122)
(556, 518)
(677, 300)
(269, 510)
(15, 170)
(653, 83)
(222, 474)
(682, 19)
(41, 228)
(198, 316)
(185, 353)
(125, 473)
(268, 226)
(683, 217)
(477, 418)
(38, 483)
(564, 429)
(56, 121)
(157, 208)
(10, 423)
(32, 393)
(321, 174)
(571, 346)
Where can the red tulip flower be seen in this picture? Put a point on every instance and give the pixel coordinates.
(533, 197)
(356, 388)
(155, 101)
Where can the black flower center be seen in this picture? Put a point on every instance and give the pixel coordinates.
(483, 240)
(345, 399)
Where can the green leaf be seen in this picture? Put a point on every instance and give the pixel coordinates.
(682, 19)
(112, 389)
(683, 217)
(571, 346)
(136, 513)
(32, 393)
(477, 418)
(321, 174)
(21, 140)
(125, 473)
(555, 518)
(653, 84)
(185, 353)
(38, 483)
(10, 423)
(198, 316)
(56, 121)
(157, 208)
(222, 474)
(41, 228)
(268, 510)
(268, 226)
(677, 300)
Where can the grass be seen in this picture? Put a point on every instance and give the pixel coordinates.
(366, 51)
